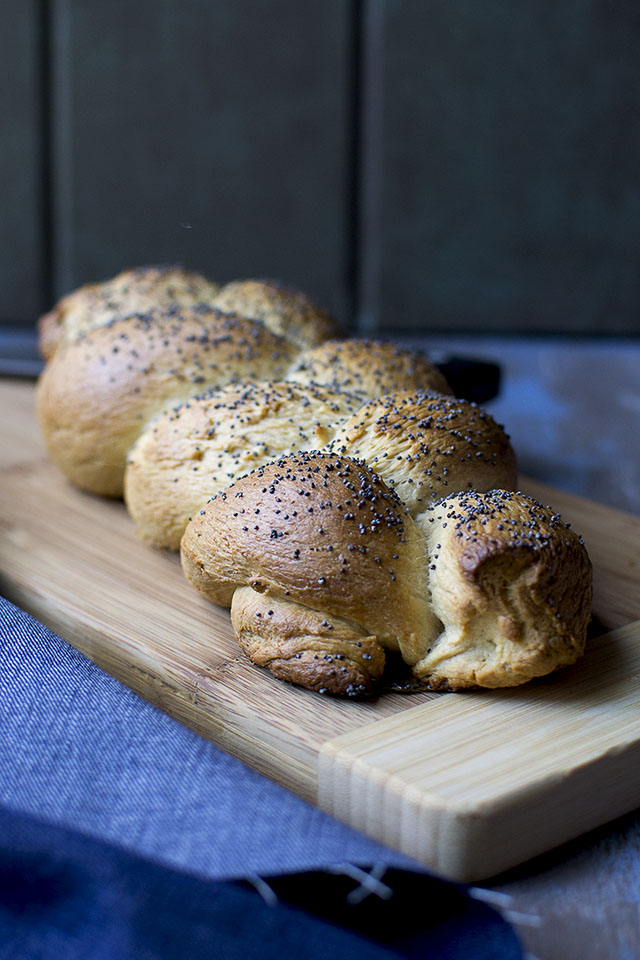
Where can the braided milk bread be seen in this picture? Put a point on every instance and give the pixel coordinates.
(197, 448)
(289, 313)
(98, 391)
(329, 568)
(510, 583)
(286, 312)
(325, 568)
(132, 291)
(314, 533)
(105, 383)
(367, 368)
(428, 445)
(421, 444)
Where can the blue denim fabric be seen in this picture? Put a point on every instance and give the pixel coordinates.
(81, 750)
(118, 819)
(65, 897)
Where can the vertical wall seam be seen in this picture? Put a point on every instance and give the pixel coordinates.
(370, 168)
(353, 76)
(61, 148)
(45, 186)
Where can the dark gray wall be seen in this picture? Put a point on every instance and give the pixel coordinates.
(21, 210)
(510, 171)
(417, 166)
(211, 133)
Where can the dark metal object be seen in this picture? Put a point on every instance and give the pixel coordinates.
(475, 380)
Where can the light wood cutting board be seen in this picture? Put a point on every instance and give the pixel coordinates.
(469, 784)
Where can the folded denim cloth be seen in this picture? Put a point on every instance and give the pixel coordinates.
(122, 829)
(63, 895)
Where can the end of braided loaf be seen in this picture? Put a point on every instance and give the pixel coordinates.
(325, 570)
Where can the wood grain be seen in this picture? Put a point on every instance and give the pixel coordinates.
(473, 785)
(469, 783)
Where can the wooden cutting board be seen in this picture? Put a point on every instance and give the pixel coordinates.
(469, 784)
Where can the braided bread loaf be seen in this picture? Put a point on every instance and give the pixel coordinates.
(331, 492)
(325, 568)
(132, 291)
(196, 449)
(287, 313)
(110, 375)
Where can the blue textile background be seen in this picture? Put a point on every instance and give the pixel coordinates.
(107, 800)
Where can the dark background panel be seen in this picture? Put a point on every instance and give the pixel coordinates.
(423, 166)
(21, 216)
(509, 182)
(211, 134)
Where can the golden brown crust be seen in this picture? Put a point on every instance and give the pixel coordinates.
(315, 650)
(497, 592)
(286, 312)
(428, 445)
(49, 328)
(325, 563)
(320, 530)
(368, 368)
(98, 391)
(511, 583)
(197, 448)
(131, 291)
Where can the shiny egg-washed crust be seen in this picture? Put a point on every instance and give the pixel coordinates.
(429, 445)
(326, 565)
(326, 534)
(369, 368)
(324, 569)
(289, 313)
(511, 584)
(423, 445)
(98, 391)
(292, 641)
(101, 388)
(132, 291)
(197, 448)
